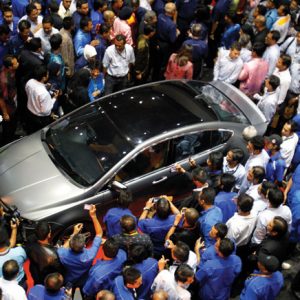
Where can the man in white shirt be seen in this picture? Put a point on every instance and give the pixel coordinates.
(283, 73)
(11, 290)
(117, 61)
(272, 52)
(268, 101)
(40, 102)
(174, 284)
(32, 16)
(276, 208)
(289, 141)
(282, 23)
(66, 8)
(46, 32)
(242, 224)
(229, 64)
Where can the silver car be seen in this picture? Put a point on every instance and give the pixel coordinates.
(133, 138)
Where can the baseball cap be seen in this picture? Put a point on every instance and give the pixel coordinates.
(270, 262)
(275, 139)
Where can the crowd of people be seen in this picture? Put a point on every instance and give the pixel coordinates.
(233, 235)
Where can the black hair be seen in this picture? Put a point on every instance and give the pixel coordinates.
(47, 19)
(30, 8)
(274, 82)
(227, 182)
(286, 60)
(265, 186)
(6, 8)
(79, 3)
(4, 237)
(222, 230)
(259, 49)
(84, 21)
(183, 272)
(120, 37)
(208, 194)
(237, 154)
(4, 29)
(262, 10)
(111, 248)
(53, 282)
(34, 44)
(236, 46)
(7, 60)
(216, 159)
(10, 269)
(293, 125)
(148, 28)
(77, 243)
(258, 174)
(42, 229)
(137, 253)
(202, 13)
(163, 208)
(245, 203)
(68, 23)
(130, 275)
(258, 142)
(275, 197)
(124, 198)
(181, 251)
(55, 41)
(39, 72)
(53, 6)
(24, 24)
(128, 223)
(275, 35)
(226, 247)
(99, 4)
(200, 174)
(286, 9)
(104, 28)
(280, 226)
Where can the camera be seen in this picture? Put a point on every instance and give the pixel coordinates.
(155, 199)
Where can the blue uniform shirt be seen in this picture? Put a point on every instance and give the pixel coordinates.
(271, 17)
(166, 29)
(264, 288)
(208, 218)
(97, 18)
(112, 220)
(18, 7)
(94, 85)
(231, 34)
(14, 30)
(103, 273)
(224, 201)
(216, 276)
(199, 48)
(275, 168)
(80, 40)
(78, 264)
(120, 290)
(157, 229)
(149, 270)
(39, 292)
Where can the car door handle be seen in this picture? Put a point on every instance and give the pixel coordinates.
(160, 180)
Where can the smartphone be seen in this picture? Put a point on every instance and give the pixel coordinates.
(167, 244)
(87, 206)
(155, 199)
(173, 169)
(68, 285)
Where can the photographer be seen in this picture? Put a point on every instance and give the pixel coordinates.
(162, 218)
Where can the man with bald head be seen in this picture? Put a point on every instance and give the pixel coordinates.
(160, 295)
(105, 295)
(167, 34)
(261, 29)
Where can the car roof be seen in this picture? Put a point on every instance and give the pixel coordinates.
(143, 112)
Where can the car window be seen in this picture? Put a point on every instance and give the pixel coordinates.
(171, 151)
(225, 109)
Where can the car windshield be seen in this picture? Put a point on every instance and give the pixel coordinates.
(86, 144)
(225, 109)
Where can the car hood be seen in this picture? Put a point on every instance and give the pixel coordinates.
(33, 192)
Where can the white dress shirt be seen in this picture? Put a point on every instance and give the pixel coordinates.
(265, 217)
(282, 25)
(62, 12)
(33, 25)
(39, 100)
(192, 262)
(267, 104)
(259, 203)
(246, 55)
(271, 56)
(227, 69)
(285, 81)
(45, 38)
(238, 172)
(11, 290)
(287, 148)
(240, 228)
(117, 64)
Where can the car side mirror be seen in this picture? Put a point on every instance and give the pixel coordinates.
(117, 186)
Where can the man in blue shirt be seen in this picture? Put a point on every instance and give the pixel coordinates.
(271, 15)
(83, 36)
(224, 199)
(158, 226)
(125, 286)
(210, 214)
(232, 31)
(19, 7)
(97, 15)
(82, 10)
(216, 276)
(106, 269)
(10, 20)
(276, 165)
(76, 259)
(265, 283)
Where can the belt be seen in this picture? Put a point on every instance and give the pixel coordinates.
(117, 77)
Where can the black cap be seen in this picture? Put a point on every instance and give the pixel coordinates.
(275, 139)
(125, 13)
(270, 262)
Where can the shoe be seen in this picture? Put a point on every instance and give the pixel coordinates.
(286, 266)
